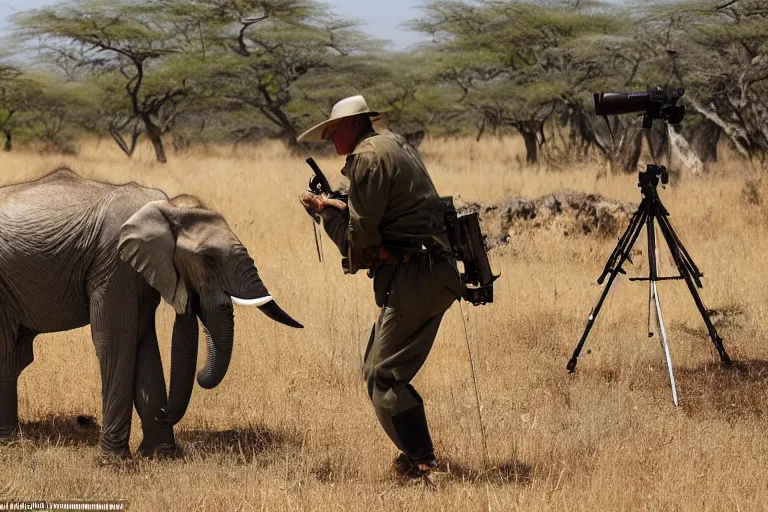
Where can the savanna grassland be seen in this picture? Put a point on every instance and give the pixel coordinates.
(290, 427)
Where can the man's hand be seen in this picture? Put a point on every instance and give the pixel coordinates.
(317, 203)
(311, 202)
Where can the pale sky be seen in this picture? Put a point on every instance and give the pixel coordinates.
(381, 17)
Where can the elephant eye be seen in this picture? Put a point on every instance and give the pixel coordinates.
(209, 260)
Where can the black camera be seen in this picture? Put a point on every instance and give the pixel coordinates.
(652, 175)
(655, 103)
(467, 244)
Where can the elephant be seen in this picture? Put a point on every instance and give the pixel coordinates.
(75, 252)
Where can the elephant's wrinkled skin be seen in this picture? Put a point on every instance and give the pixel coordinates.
(75, 252)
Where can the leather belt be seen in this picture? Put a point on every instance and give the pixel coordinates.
(392, 258)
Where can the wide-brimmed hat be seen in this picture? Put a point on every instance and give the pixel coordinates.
(348, 107)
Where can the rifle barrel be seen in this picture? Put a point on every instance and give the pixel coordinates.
(314, 166)
(324, 184)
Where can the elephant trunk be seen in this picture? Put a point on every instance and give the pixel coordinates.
(251, 291)
(183, 365)
(219, 323)
(245, 281)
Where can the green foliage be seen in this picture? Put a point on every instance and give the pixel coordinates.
(42, 107)
(271, 56)
(516, 63)
(232, 70)
(138, 40)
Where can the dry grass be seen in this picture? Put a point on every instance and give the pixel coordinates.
(290, 427)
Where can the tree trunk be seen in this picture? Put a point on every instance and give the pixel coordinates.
(705, 139)
(7, 131)
(289, 131)
(180, 143)
(737, 134)
(658, 141)
(293, 145)
(127, 149)
(480, 131)
(583, 134)
(274, 113)
(531, 145)
(153, 132)
(626, 157)
(134, 140)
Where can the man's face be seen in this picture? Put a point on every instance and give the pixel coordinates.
(348, 133)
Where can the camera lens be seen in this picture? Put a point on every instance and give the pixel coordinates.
(616, 103)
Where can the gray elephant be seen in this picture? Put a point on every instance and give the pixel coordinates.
(75, 252)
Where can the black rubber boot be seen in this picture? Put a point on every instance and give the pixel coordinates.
(413, 432)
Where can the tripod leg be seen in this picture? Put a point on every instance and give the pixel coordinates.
(651, 310)
(685, 256)
(654, 304)
(664, 344)
(652, 271)
(689, 281)
(621, 246)
(627, 247)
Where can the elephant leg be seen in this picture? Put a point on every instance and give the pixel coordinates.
(9, 408)
(24, 353)
(16, 355)
(149, 394)
(114, 319)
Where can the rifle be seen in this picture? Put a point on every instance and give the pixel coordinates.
(318, 184)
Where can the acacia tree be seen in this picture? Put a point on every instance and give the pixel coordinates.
(725, 67)
(514, 63)
(42, 107)
(125, 37)
(632, 58)
(393, 83)
(111, 111)
(57, 113)
(534, 68)
(12, 98)
(257, 52)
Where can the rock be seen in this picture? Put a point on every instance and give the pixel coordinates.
(567, 212)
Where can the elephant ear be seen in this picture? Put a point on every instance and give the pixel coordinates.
(148, 244)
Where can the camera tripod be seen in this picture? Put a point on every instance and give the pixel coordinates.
(649, 213)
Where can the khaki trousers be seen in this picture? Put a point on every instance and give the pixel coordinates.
(413, 297)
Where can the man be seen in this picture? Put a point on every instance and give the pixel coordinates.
(393, 227)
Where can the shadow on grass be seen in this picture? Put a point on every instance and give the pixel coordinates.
(740, 391)
(244, 444)
(726, 317)
(61, 430)
(504, 473)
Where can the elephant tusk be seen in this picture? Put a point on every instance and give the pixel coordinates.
(270, 308)
(276, 313)
(252, 302)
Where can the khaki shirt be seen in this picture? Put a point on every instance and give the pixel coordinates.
(392, 203)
